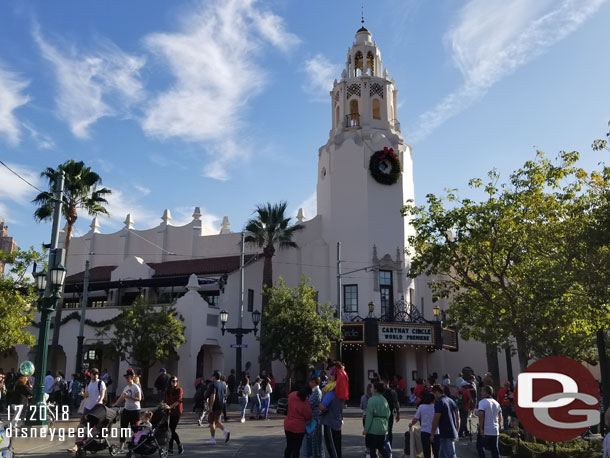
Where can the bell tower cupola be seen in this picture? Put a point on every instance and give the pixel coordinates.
(365, 96)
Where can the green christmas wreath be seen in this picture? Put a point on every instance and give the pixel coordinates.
(385, 166)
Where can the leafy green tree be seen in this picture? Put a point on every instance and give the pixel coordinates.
(144, 334)
(81, 192)
(299, 329)
(270, 230)
(17, 299)
(507, 263)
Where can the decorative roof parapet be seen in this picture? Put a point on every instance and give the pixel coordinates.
(95, 226)
(167, 217)
(300, 215)
(197, 214)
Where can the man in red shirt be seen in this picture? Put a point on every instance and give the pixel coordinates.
(464, 403)
(505, 398)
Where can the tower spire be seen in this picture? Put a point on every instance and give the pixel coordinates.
(362, 20)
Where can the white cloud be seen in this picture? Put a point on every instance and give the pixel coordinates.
(493, 38)
(11, 98)
(101, 82)
(309, 206)
(215, 60)
(321, 73)
(142, 189)
(121, 203)
(12, 188)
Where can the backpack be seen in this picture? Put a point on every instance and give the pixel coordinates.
(473, 395)
(459, 398)
(240, 391)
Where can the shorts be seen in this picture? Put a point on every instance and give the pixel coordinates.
(214, 416)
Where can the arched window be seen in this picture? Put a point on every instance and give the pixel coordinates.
(370, 63)
(338, 120)
(376, 109)
(353, 120)
(358, 63)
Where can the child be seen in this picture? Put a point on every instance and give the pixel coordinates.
(144, 427)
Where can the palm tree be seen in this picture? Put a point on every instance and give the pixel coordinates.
(80, 192)
(270, 229)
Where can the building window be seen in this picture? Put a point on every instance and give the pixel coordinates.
(370, 63)
(350, 298)
(376, 109)
(386, 294)
(250, 300)
(211, 297)
(337, 118)
(358, 63)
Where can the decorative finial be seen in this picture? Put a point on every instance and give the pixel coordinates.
(95, 226)
(225, 225)
(197, 213)
(362, 20)
(128, 221)
(300, 215)
(167, 217)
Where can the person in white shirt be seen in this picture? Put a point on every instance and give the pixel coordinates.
(130, 398)
(490, 419)
(425, 415)
(94, 393)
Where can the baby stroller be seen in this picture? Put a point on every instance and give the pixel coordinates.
(6, 446)
(99, 418)
(153, 440)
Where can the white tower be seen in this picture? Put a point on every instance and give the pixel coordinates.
(365, 175)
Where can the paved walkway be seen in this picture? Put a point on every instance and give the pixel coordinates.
(256, 438)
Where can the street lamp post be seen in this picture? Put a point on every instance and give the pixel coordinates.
(239, 333)
(49, 285)
(371, 309)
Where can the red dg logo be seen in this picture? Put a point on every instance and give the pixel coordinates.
(557, 399)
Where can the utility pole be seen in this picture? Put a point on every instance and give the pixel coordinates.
(340, 341)
(240, 317)
(81, 329)
(48, 302)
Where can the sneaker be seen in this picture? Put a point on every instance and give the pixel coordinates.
(227, 435)
(180, 449)
(212, 441)
(243, 419)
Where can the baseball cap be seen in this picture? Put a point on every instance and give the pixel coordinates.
(217, 374)
(162, 370)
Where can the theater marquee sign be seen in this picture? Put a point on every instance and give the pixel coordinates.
(413, 334)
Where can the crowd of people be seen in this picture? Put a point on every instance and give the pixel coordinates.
(314, 411)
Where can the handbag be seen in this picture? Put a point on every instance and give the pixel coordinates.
(310, 427)
(81, 408)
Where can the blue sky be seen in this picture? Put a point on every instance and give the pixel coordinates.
(223, 104)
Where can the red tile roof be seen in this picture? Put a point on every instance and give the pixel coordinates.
(203, 266)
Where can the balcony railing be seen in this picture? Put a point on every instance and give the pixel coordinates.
(352, 120)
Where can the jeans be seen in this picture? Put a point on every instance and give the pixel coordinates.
(173, 423)
(426, 444)
(264, 409)
(332, 438)
(490, 443)
(129, 418)
(376, 443)
(243, 402)
(256, 404)
(446, 447)
(293, 444)
(506, 414)
(464, 424)
(390, 427)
